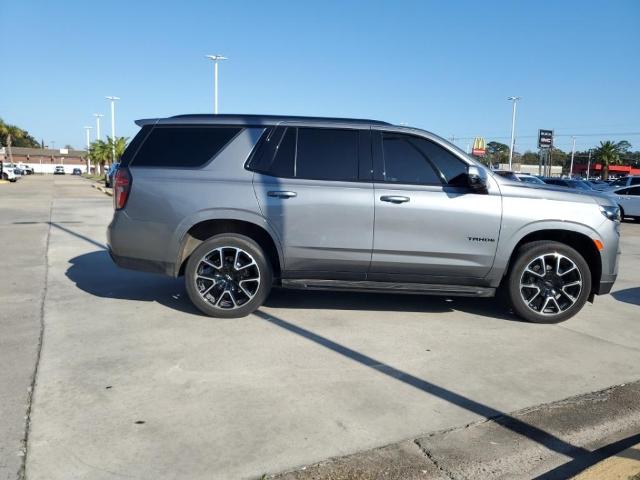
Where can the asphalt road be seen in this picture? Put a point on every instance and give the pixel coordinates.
(133, 382)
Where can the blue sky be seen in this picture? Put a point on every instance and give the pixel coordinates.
(446, 66)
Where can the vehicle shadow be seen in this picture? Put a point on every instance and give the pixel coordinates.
(628, 295)
(387, 302)
(95, 273)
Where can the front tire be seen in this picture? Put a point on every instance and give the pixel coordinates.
(549, 282)
(228, 276)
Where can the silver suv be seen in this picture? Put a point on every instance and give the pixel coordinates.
(238, 203)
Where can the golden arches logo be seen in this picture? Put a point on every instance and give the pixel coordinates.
(479, 146)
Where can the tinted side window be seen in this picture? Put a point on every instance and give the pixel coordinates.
(449, 165)
(284, 155)
(635, 181)
(182, 146)
(405, 162)
(624, 191)
(327, 154)
(133, 146)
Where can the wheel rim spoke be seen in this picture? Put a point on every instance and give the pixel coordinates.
(227, 277)
(550, 284)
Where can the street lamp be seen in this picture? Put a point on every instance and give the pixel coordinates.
(87, 129)
(98, 115)
(215, 59)
(113, 127)
(514, 100)
(573, 151)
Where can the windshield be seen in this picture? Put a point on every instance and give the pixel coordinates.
(620, 182)
(579, 184)
(531, 179)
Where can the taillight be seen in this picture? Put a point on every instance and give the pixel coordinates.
(121, 187)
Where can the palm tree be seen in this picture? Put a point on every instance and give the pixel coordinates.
(120, 145)
(100, 153)
(608, 153)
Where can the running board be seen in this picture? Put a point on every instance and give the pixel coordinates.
(389, 287)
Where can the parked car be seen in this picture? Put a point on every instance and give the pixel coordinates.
(508, 174)
(568, 182)
(628, 199)
(627, 181)
(8, 174)
(14, 168)
(76, 171)
(26, 169)
(108, 177)
(523, 177)
(598, 184)
(59, 170)
(238, 203)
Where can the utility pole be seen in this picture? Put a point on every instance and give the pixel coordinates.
(514, 100)
(113, 127)
(573, 151)
(589, 163)
(87, 130)
(215, 59)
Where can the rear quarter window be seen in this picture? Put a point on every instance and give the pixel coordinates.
(182, 146)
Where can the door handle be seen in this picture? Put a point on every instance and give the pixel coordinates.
(282, 194)
(394, 199)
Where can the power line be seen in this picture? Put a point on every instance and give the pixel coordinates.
(618, 134)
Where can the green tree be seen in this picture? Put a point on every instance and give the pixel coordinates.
(120, 145)
(497, 152)
(99, 153)
(608, 153)
(19, 137)
(530, 158)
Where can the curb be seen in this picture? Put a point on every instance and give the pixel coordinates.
(622, 466)
(550, 441)
(104, 190)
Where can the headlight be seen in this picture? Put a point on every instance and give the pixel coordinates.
(612, 213)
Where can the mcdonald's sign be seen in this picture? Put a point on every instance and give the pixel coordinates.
(479, 147)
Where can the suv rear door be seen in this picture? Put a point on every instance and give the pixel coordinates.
(426, 229)
(314, 187)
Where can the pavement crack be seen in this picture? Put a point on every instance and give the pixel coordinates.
(449, 474)
(21, 475)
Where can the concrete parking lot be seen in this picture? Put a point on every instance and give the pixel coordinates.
(133, 382)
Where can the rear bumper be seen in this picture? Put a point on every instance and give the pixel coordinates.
(137, 245)
(141, 264)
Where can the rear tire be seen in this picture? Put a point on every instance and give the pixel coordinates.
(228, 276)
(549, 282)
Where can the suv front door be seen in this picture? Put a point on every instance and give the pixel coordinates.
(314, 187)
(426, 228)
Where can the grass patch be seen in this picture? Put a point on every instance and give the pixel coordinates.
(95, 178)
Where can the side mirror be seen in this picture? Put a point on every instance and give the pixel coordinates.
(477, 179)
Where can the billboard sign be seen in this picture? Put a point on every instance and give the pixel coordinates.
(479, 147)
(545, 138)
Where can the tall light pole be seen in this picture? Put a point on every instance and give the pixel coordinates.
(98, 115)
(514, 100)
(87, 130)
(113, 127)
(215, 59)
(573, 151)
(589, 163)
